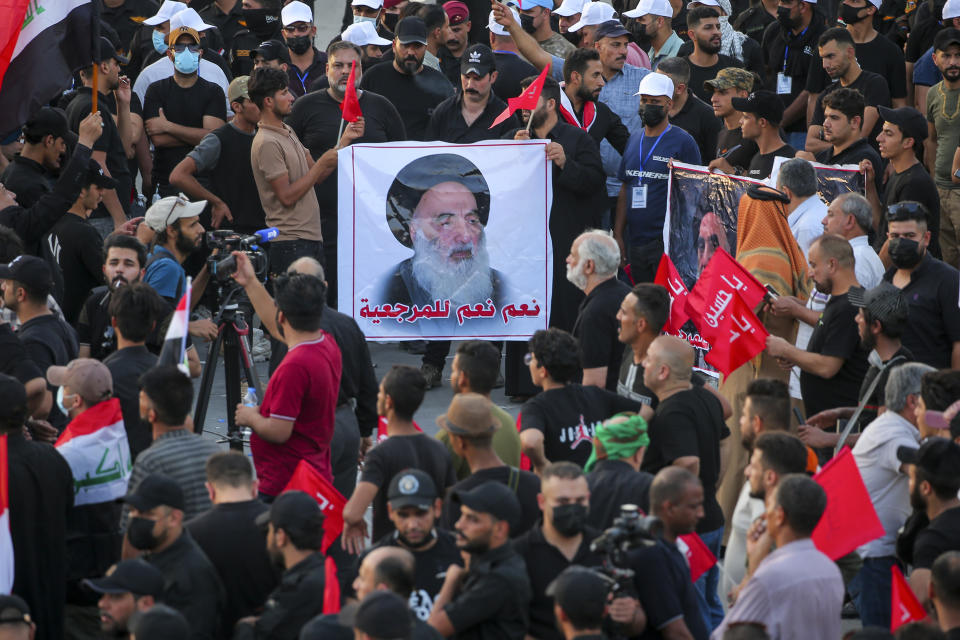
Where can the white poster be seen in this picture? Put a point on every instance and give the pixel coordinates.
(445, 241)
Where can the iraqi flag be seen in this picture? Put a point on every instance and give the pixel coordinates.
(95, 446)
(174, 351)
(6, 541)
(42, 44)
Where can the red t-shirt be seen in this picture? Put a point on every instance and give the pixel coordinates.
(302, 389)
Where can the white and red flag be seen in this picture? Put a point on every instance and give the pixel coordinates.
(95, 446)
(6, 541)
(174, 351)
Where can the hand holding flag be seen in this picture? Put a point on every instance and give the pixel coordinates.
(526, 100)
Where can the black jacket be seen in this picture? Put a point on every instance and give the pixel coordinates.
(607, 126)
(296, 600)
(26, 178)
(447, 123)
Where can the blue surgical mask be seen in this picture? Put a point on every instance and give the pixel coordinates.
(159, 42)
(60, 397)
(359, 19)
(186, 61)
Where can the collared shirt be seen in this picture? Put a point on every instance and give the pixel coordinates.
(745, 512)
(447, 122)
(670, 48)
(614, 483)
(867, 264)
(797, 592)
(297, 599)
(300, 81)
(806, 221)
(431, 60)
(618, 94)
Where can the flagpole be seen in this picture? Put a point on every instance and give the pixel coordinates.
(529, 121)
(340, 133)
(96, 84)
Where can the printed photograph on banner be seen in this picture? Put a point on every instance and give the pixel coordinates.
(832, 180)
(446, 241)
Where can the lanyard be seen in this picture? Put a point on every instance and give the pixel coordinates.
(655, 143)
(301, 78)
(786, 48)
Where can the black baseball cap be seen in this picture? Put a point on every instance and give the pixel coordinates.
(494, 498)
(13, 397)
(14, 609)
(411, 29)
(155, 490)
(938, 458)
(412, 488)
(136, 576)
(293, 511)
(273, 50)
(911, 122)
(580, 590)
(907, 210)
(95, 175)
(885, 303)
(610, 29)
(49, 121)
(31, 271)
(382, 614)
(478, 59)
(945, 38)
(107, 51)
(159, 623)
(765, 104)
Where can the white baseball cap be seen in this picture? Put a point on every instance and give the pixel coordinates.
(655, 84)
(593, 13)
(167, 9)
(296, 11)
(951, 9)
(570, 8)
(497, 28)
(706, 3)
(362, 34)
(166, 211)
(651, 7)
(188, 18)
(373, 4)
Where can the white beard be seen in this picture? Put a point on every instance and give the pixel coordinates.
(576, 277)
(466, 282)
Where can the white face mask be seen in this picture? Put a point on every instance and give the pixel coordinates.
(359, 19)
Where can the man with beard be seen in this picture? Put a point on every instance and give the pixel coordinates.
(129, 587)
(294, 534)
(834, 363)
(943, 133)
(654, 27)
(365, 36)
(689, 112)
(703, 25)
(492, 597)
(262, 18)
(306, 63)
(414, 89)
(930, 286)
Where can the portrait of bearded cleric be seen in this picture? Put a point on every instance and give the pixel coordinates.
(438, 206)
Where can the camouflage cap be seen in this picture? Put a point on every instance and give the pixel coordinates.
(730, 78)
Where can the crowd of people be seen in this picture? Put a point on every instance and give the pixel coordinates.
(227, 115)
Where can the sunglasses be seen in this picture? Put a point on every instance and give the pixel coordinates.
(298, 28)
(180, 48)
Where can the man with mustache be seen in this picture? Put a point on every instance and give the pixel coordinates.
(130, 587)
(944, 131)
(703, 25)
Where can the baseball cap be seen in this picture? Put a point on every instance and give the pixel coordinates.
(135, 576)
(155, 490)
(273, 50)
(382, 614)
(911, 122)
(730, 78)
(885, 303)
(13, 397)
(189, 18)
(181, 31)
(107, 51)
(651, 8)
(373, 4)
(593, 13)
(610, 29)
(14, 609)
(706, 3)
(938, 458)
(579, 590)
(469, 414)
(31, 271)
(159, 623)
(498, 29)
(945, 38)
(296, 11)
(166, 211)
(362, 34)
(491, 497)
(526, 5)
(95, 175)
(411, 29)
(293, 511)
(765, 104)
(655, 84)
(478, 59)
(570, 8)
(238, 88)
(907, 210)
(166, 11)
(457, 12)
(412, 488)
(87, 377)
(950, 11)
(49, 121)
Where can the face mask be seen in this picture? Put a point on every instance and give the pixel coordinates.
(783, 17)
(186, 61)
(390, 20)
(159, 42)
(640, 35)
(652, 114)
(359, 19)
(569, 519)
(904, 253)
(849, 14)
(140, 533)
(260, 21)
(60, 406)
(299, 44)
(526, 23)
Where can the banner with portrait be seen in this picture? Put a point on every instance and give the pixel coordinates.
(444, 241)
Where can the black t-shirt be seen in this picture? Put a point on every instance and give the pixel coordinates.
(880, 56)
(662, 580)
(50, 341)
(74, 250)
(690, 423)
(942, 534)
(835, 335)
(568, 417)
(28, 179)
(93, 324)
(737, 150)
(913, 184)
(699, 75)
(762, 163)
(597, 329)
(415, 97)
(14, 360)
(875, 94)
(185, 107)
(395, 454)
(861, 149)
(792, 56)
(697, 119)
(614, 483)
(753, 22)
(525, 486)
(126, 366)
(511, 70)
(630, 382)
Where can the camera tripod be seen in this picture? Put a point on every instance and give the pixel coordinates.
(232, 332)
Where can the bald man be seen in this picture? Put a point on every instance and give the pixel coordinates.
(686, 431)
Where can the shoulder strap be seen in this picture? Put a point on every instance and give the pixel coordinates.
(513, 481)
(863, 403)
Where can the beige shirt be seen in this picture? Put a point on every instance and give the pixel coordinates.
(278, 152)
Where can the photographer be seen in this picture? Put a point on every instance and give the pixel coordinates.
(579, 602)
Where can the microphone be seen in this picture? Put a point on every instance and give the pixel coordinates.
(268, 234)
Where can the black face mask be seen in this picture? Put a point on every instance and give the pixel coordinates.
(569, 519)
(652, 114)
(849, 14)
(140, 533)
(640, 35)
(783, 17)
(573, 37)
(526, 23)
(904, 253)
(299, 44)
(260, 21)
(390, 21)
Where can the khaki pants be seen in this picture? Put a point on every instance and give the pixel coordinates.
(950, 225)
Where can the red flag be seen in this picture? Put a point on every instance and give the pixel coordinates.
(6, 540)
(698, 554)
(741, 337)
(350, 107)
(850, 519)
(722, 274)
(904, 606)
(307, 479)
(331, 587)
(669, 278)
(382, 429)
(526, 100)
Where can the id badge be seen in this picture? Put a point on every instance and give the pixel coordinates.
(784, 84)
(639, 199)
